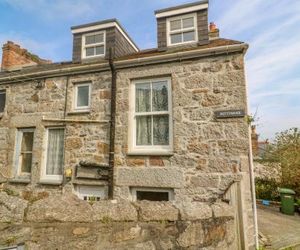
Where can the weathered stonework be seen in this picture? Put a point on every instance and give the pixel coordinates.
(205, 173)
(111, 225)
(209, 154)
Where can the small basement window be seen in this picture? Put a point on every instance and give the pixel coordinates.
(20, 246)
(2, 100)
(152, 194)
(91, 193)
(93, 44)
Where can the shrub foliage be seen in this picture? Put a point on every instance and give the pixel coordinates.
(285, 150)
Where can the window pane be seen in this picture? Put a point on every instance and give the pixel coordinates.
(189, 36)
(27, 142)
(161, 130)
(26, 162)
(188, 22)
(82, 96)
(176, 38)
(90, 39)
(160, 96)
(99, 50)
(152, 196)
(175, 25)
(99, 38)
(2, 100)
(143, 130)
(142, 97)
(89, 51)
(55, 151)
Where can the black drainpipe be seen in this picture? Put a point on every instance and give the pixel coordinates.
(66, 96)
(111, 160)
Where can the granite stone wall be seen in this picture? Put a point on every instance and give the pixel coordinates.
(209, 155)
(207, 151)
(63, 221)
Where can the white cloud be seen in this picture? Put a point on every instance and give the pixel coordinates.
(273, 60)
(243, 15)
(57, 9)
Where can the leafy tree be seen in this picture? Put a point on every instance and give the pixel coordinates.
(285, 150)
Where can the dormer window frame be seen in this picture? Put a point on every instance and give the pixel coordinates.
(93, 45)
(182, 30)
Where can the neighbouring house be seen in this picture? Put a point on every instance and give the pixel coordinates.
(263, 169)
(258, 147)
(123, 148)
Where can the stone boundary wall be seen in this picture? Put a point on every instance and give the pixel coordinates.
(66, 222)
(267, 171)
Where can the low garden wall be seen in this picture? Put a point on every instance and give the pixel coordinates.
(66, 222)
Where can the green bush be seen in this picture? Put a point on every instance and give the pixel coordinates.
(285, 151)
(267, 189)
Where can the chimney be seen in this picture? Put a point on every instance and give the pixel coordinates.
(14, 57)
(213, 31)
(254, 139)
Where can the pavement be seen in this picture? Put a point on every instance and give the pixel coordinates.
(282, 231)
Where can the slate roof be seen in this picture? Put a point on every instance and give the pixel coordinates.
(141, 54)
(181, 6)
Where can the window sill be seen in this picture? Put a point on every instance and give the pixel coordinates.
(78, 112)
(92, 57)
(50, 182)
(19, 180)
(150, 152)
(182, 44)
(89, 183)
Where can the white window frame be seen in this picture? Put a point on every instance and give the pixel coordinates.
(90, 191)
(19, 138)
(181, 31)
(84, 46)
(134, 191)
(44, 176)
(82, 108)
(149, 149)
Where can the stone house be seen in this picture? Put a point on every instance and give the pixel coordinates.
(84, 143)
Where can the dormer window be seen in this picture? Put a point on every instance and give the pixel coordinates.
(93, 40)
(182, 29)
(93, 44)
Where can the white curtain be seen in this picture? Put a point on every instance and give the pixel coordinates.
(152, 129)
(160, 96)
(143, 123)
(55, 152)
(161, 130)
(142, 97)
(143, 130)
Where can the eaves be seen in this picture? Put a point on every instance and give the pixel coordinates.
(125, 63)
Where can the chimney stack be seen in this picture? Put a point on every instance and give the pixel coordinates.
(14, 57)
(213, 31)
(254, 140)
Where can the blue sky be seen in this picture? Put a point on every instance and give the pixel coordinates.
(270, 27)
